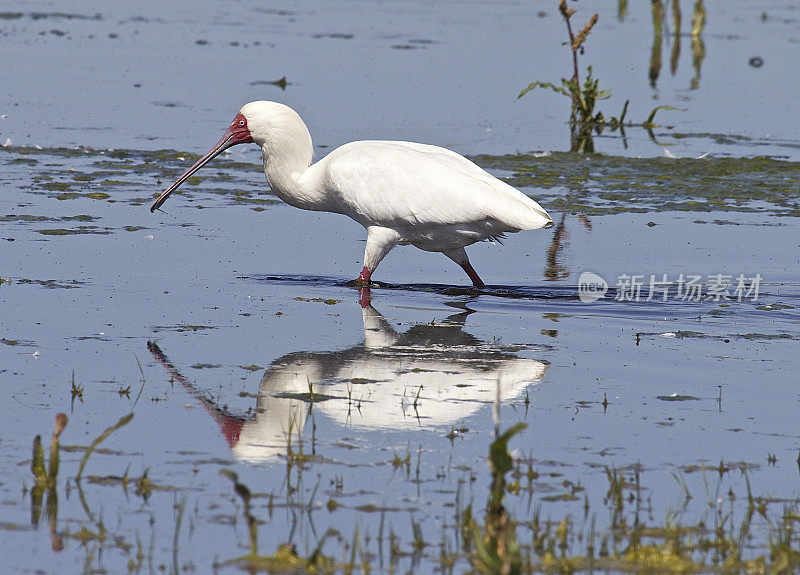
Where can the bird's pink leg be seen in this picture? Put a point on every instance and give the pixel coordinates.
(473, 275)
(364, 277)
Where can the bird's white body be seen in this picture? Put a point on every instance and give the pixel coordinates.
(432, 197)
(401, 192)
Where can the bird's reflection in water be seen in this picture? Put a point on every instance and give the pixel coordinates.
(433, 375)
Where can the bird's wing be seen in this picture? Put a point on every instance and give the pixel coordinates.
(401, 183)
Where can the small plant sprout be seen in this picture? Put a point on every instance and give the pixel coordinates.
(76, 391)
(416, 403)
(418, 543)
(244, 494)
(46, 480)
(497, 549)
(144, 487)
(404, 461)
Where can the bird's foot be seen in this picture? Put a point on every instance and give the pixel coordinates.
(363, 278)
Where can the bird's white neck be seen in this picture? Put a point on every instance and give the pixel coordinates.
(287, 157)
(284, 176)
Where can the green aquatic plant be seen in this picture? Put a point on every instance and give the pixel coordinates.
(583, 97)
(144, 487)
(496, 549)
(583, 120)
(244, 494)
(76, 391)
(45, 480)
(399, 461)
(123, 421)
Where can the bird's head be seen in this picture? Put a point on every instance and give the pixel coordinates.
(271, 125)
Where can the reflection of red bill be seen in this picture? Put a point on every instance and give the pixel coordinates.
(591, 287)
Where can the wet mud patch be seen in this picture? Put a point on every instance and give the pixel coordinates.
(726, 338)
(15, 342)
(677, 397)
(80, 230)
(183, 328)
(49, 284)
(29, 218)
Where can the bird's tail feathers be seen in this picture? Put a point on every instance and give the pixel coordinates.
(530, 216)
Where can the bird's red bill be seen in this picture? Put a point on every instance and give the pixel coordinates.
(237, 133)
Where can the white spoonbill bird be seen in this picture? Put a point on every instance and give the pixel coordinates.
(401, 192)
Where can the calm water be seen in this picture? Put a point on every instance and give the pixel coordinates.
(225, 325)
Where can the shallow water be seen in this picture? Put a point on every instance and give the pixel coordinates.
(146, 77)
(237, 344)
(395, 403)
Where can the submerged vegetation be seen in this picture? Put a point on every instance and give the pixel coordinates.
(87, 176)
(609, 184)
(596, 185)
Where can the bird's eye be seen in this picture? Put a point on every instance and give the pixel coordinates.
(241, 122)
